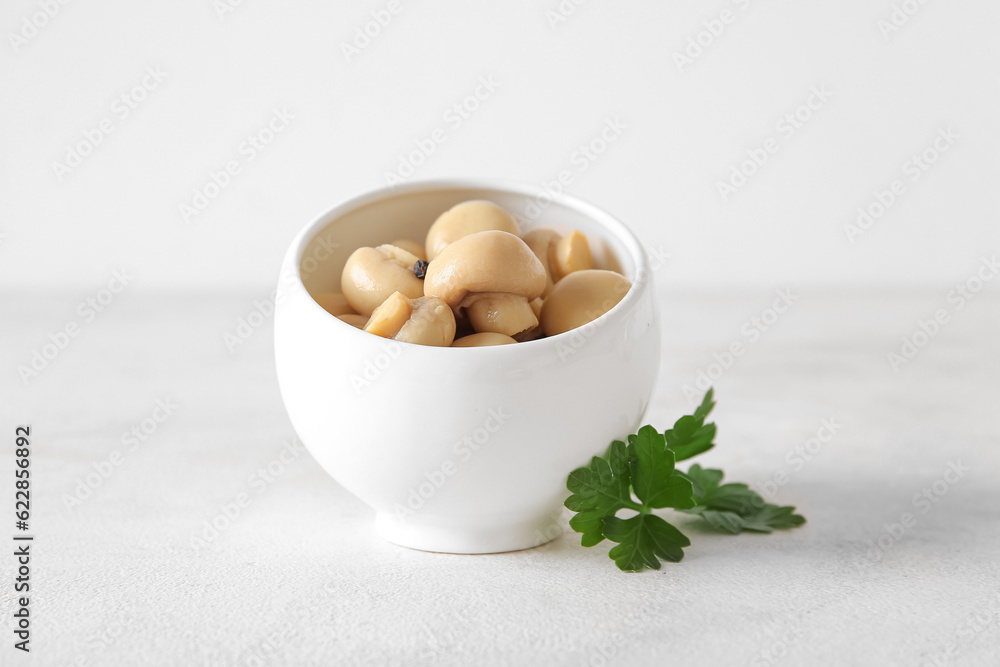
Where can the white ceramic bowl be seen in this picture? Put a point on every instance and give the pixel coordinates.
(460, 450)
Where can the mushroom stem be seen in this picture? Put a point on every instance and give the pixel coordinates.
(506, 314)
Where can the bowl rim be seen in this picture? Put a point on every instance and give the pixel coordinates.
(640, 280)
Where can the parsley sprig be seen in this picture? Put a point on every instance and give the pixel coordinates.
(641, 476)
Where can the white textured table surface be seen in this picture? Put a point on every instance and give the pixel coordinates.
(299, 577)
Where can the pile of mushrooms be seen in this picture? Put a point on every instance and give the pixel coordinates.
(475, 281)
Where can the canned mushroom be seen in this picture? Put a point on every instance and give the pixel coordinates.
(474, 275)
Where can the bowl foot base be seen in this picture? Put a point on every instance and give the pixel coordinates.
(482, 537)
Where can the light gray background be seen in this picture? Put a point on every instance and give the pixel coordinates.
(558, 84)
(298, 577)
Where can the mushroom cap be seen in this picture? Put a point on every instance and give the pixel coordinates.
(371, 275)
(542, 242)
(483, 340)
(467, 218)
(582, 297)
(507, 314)
(390, 316)
(490, 261)
(432, 322)
(413, 247)
(571, 253)
(424, 321)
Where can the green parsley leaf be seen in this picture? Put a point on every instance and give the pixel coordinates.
(732, 508)
(642, 476)
(642, 541)
(704, 481)
(654, 479)
(726, 522)
(771, 517)
(690, 435)
(599, 490)
(644, 467)
(706, 406)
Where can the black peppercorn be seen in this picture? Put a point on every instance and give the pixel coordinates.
(420, 269)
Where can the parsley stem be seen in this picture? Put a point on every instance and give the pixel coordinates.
(636, 506)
